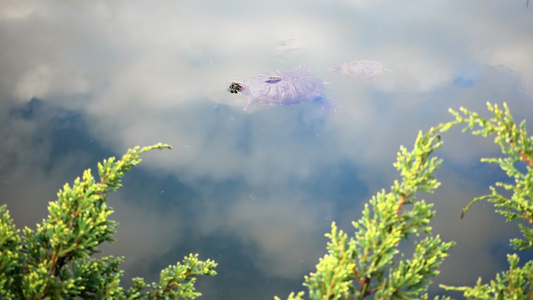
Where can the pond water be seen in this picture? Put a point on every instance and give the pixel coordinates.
(256, 190)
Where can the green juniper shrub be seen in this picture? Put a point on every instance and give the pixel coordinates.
(54, 261)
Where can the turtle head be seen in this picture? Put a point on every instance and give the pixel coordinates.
(235, 87)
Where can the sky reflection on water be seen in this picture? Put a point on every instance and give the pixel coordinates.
(256, 190)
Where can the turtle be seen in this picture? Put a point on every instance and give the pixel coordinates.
(284, 88)
(361, 68)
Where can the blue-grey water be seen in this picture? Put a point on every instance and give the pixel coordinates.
(256, 190)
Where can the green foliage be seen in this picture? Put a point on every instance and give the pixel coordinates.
(176, 281)
(512, 284)
(370, 262)
(517, 150)
(54, 261)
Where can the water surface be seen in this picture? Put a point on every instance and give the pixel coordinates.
(257, 189)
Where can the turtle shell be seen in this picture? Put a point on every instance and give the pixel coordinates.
(284, 88)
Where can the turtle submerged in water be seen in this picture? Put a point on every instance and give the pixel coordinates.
(284, 88)
(361, 69)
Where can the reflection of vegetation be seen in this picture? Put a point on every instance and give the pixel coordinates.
(53, 262)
